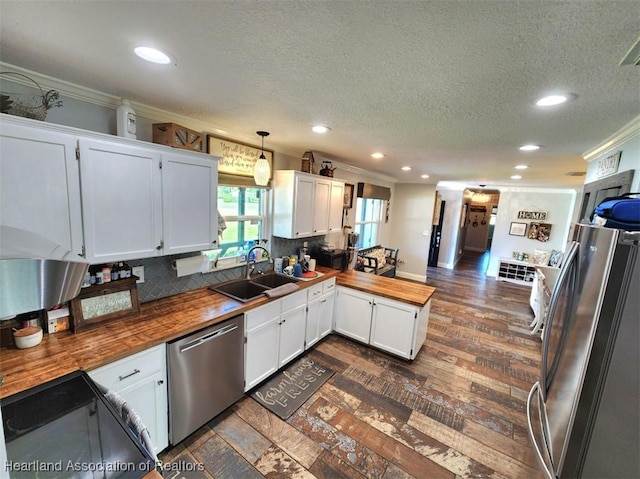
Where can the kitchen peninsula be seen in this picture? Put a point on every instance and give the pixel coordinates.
(161, 321)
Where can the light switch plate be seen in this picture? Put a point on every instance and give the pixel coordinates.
(139, 272)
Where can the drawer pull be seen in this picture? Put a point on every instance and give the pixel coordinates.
(135, 371)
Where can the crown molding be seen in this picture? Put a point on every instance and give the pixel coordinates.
(98, 98)
(626, 133)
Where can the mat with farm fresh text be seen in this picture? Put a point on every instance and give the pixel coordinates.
(285, 392)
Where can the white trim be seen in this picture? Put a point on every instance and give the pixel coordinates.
(626, 133)
(415, 277)
(445, 265)
(95, 97)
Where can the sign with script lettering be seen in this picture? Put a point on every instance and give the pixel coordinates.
(236, 158)
(609, 165)
(532, 215)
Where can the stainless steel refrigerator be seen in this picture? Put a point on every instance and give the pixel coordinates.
(584, 413)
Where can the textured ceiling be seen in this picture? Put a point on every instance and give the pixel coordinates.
(446, 87)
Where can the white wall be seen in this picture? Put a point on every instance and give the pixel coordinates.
(411, 218)
(559, 204)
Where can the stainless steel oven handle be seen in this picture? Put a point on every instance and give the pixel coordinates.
(547, 473)
(208, 337)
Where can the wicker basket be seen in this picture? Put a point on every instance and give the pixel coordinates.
(28, 105)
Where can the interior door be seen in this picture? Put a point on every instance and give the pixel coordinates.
(436, 234)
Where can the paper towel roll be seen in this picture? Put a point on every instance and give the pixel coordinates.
(192, 265)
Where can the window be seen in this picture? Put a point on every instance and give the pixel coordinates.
(243, 210)
(368, 220)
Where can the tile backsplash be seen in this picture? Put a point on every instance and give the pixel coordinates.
(160, 278)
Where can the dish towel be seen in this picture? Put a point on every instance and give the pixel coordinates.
(282, 290)
(222, 224)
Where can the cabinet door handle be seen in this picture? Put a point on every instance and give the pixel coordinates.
(323, 301)
(160, 246)
(135, 371)
(160, 382)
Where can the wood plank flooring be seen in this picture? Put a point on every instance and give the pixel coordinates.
(456, 411)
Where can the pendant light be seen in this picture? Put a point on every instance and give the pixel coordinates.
(261, 168)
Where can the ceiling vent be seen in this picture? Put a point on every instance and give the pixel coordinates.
(633, 55)
(576, 173)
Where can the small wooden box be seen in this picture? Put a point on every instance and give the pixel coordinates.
(178, 136)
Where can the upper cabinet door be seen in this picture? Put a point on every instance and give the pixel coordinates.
(321, 207)
(121, 199)
(40, 184)
(303, 199)
(335, 206)
(189, 198)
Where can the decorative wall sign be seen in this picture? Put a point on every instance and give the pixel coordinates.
(609, 165)
(532, 215)
(518, 229)
(348, 196)
(236, 158)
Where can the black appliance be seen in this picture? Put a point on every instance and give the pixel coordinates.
(336, 259)
(67, 428)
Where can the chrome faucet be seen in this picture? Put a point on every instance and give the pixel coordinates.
(251, 264)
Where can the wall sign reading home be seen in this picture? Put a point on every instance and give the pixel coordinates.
(532, 215)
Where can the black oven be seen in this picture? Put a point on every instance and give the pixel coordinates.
(66, 428)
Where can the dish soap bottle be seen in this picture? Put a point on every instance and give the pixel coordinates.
(126, 120)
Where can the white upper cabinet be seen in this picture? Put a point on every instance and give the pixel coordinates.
(105, 197)
(321, 205)
(335, 206)
(305, 205)
(189, 202)
(140, 202)
(40, 183)
(121, 201)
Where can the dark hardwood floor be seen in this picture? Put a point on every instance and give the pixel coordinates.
(456, 411)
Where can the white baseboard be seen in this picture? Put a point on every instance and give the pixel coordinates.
(414, 277)
(445, 265)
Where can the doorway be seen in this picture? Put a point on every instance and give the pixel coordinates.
(436, 231)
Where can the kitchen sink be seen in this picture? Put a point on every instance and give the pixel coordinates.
(242, 290)
(273, 280)
(245, 290)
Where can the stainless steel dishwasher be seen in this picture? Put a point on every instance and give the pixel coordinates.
(206, 374)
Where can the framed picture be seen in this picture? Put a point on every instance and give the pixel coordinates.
(543, 232)
(348, 196)
(518, 229)
(556, 258)
(236, 158)
(532, 232)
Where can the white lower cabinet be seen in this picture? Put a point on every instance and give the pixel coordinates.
(393, 326)
(319, 311)
(141, 379)
(275, 335)
(353, 314)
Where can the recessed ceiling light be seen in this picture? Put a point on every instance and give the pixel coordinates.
(152, 55)
(516, 177)
(529, 147)
(320, 129)
(558, 99)
(521, 167)
(406, 168)
(377, 156)
(424, 176)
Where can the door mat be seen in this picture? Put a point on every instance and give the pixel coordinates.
(285, 392)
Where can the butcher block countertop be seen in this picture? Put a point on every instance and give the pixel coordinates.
(161, 321)
(417, 294)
